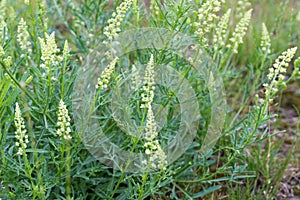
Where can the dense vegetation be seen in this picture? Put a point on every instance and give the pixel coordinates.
(130, 99)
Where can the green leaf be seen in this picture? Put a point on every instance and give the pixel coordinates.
(207, 191)
(36, 151)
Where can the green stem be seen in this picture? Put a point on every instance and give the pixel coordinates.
(68, 170)
(50, 91)
(63, 79)
(41, 193)
(62, 161)
(28, 171)
(144, 178)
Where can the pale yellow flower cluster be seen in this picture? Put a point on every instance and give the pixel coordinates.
(20, 133)
(148, 84)
(26, 2)
(8, 61)
(135, 6)
(49, 50)
(207, 15)
(111, 31)
(154, 7)
(2, 27)
(105, 76)
(242, 7)
(221, 31)
(3, 12)
(135, 80)
(2, 53)
(265, 40)
(23, 37)
(151, 128)
(276, 73)
(3, 6)
(66, 51)
(63, 122)
(157, 157)
(240, 31)
(296, 71)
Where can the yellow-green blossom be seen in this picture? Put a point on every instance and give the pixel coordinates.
(135, 80)
(3, 16)
(114, 24)
(296, 71)
(105, 76)
(207, 16)
(148, 84)
(151, 128)
(63, 122)
(135, 6)
(49, 50)
(8, 61)
(154, 7)
(221, 31)
(265, 40)
(20, 133)
(240, 31)
(242, 7)
(66, 51)
(23, 37)
(276, 75)
(2, 53)
(3, 10)
(157, 157)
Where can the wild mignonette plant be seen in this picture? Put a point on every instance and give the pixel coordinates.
(139, 105)
(21, 137)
